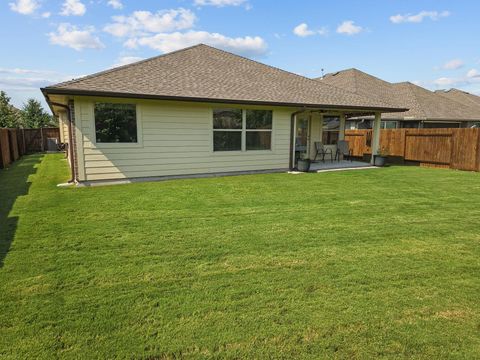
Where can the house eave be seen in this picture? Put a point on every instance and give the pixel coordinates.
(75, 92)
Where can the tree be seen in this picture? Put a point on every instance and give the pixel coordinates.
(34, 116)
(8, 115)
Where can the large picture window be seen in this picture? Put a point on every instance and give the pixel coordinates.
(331, 130)
(242, 130)
(115, 123)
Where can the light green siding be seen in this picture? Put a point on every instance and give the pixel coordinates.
(63, 126)
(175, 138)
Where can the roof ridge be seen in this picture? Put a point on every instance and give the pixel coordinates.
(258, 63)
(469, 101)
(453, 110)
(121, 67)
(361, 97)
(356, 72)
(410, 88)
(355, 78)
(333, 73)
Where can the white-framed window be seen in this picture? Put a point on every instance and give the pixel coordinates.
(258, 129)
(242, 130)
(115, 123)
(227, 129)
(388, 124)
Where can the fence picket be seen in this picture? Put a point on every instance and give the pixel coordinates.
(17, 142)
(453, 148)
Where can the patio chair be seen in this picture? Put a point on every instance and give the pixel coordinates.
(321, 150)
(344, 150)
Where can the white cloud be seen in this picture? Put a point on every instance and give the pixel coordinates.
(125, 60)
(247, 46)
(302, 30)
(470, 78)
(418, 18)
(46, 14)
(20, 71)
(453, 64)
(24, 83)
(116, 4)
(447, 81)
(24, 7)
(219, 3)
(78, 39)
(473, 73)
(73, 7)
(141, 22)
(323, 31)
(30, 78)
(348, 27)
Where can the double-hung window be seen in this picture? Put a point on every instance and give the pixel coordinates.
(115, 123)
(258, 129)
(227, 129)
(242, 130)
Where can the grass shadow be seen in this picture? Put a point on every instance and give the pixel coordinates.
(13, 183)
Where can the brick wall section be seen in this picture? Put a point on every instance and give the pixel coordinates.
(71, 106)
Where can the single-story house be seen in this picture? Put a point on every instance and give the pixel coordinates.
(427, 109)
(196, 111)
(462, 97)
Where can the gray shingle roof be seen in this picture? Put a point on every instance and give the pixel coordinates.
(360, 83)
(422, 103)
(462, 97)
(205, 73)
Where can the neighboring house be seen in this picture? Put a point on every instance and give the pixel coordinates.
(427, 109)
(195, 111)
(462, 97)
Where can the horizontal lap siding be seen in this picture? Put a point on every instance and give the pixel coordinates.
(63, 126)
(175, 139)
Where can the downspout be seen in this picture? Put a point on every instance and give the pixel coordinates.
(70, 142)
(292, 137)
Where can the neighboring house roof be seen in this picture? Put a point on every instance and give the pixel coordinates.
(203, 73)
(360, 83)
(427, 105)
(422, 103)
(462, 97)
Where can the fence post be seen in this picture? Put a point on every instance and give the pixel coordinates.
(41, 136)
(453, 139)
(23, 142)
(2, 165)
(478, 149)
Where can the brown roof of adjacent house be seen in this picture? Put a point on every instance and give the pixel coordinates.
(360, 83)
(422, 103)
(462, 97)
(203, 73)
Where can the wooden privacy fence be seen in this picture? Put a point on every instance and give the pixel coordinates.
(450, 148)
(17, 142)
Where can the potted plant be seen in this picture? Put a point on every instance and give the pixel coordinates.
(381, 157)
(303, 164)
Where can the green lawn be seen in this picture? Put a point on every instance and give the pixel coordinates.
(361, 264)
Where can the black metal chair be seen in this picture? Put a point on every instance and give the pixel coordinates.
(344, 150)
(320, 149)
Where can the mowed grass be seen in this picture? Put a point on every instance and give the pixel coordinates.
(361, 264)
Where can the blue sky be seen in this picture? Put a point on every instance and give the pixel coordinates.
(433, 43)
